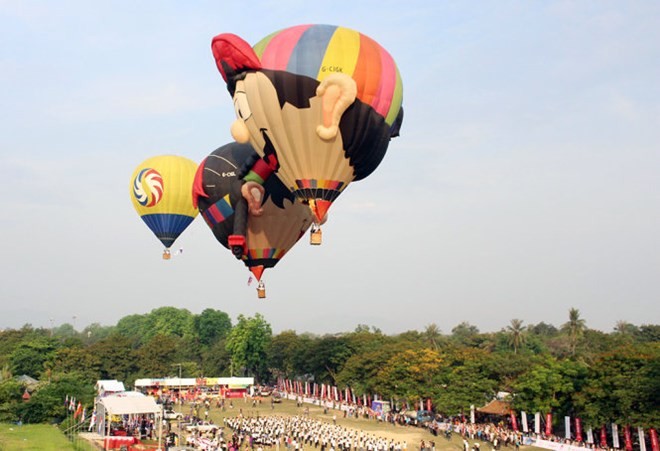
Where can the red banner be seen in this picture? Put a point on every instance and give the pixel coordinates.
(578, 430)
(627, 438)
(603, 437)
(654, 440)
(548, 424)
(514, 422)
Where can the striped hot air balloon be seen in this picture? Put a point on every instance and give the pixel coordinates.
(161, 193)
(319, 103)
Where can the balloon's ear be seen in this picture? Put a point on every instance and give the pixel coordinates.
(233, 55)
(338, 92)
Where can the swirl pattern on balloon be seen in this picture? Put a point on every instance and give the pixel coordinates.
(148, 187)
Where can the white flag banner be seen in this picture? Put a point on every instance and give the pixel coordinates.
(642, 441)
(590, 435)
(615, 436)
(523, 417)
(472, 414)
(567, 425)
(537, 423)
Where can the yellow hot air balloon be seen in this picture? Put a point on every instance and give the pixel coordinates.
(161, 192)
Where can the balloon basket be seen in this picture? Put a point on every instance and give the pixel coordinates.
(167, 255)
(315, 237)
(261, 290)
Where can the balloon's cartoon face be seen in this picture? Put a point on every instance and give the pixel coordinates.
(317, 135)
(273, 118)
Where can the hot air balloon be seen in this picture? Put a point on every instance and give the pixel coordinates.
(261, 235)
(161, 192)
(319, 104)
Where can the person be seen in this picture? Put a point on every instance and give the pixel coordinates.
(334, 418)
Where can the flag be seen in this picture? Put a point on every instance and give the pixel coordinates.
(642, 440)
(537, 423)
(627, 436)
(72, 403)
(615, 435)
(567, 426)
(548, 424)
(514, 422)
(78, 410)
(590, 436)
(603, 437)
(92, 422)
(84, 413)
(66, 401)
(523, 417)
(578, 429)
(654, 440)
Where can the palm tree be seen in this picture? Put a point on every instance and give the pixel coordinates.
(432, 334)
(624, 328)
(575, 328)
(516, 334)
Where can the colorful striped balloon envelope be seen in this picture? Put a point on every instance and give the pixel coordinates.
(317, 51)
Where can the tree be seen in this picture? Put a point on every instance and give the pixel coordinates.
(47, 403)
(118, 359)
(410, 374)
(77, 359)
(283, 352)
(623, 387)
(133, 327)
(169, 321)
(248, 344)
(465, 334)
(432, 335)
(516, 334)
(540, 389)
(211, 325)
(326, 357)
(360, 371)
(575, 328)
(543, 329)
(30, 356)
(464, 380)
(157, 356)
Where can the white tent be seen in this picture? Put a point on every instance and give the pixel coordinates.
(127, 403)
(107, 387)
(130, 403)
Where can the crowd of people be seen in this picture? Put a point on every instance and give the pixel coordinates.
(299, 432)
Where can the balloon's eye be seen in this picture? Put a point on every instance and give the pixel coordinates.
(241, 105)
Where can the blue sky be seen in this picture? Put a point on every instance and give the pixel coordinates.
(525, 181)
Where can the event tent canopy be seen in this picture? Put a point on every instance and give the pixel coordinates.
(104, 387)
(496, 407)
(128, 403)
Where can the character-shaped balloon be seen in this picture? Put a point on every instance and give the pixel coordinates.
(258, 236)
(161, 192)
(319, 103)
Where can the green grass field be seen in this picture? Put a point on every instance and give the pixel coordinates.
(37, 437)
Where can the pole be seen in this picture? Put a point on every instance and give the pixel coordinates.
(160, 430)
(180, 401)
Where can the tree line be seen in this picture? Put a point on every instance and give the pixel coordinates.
(567, 370)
